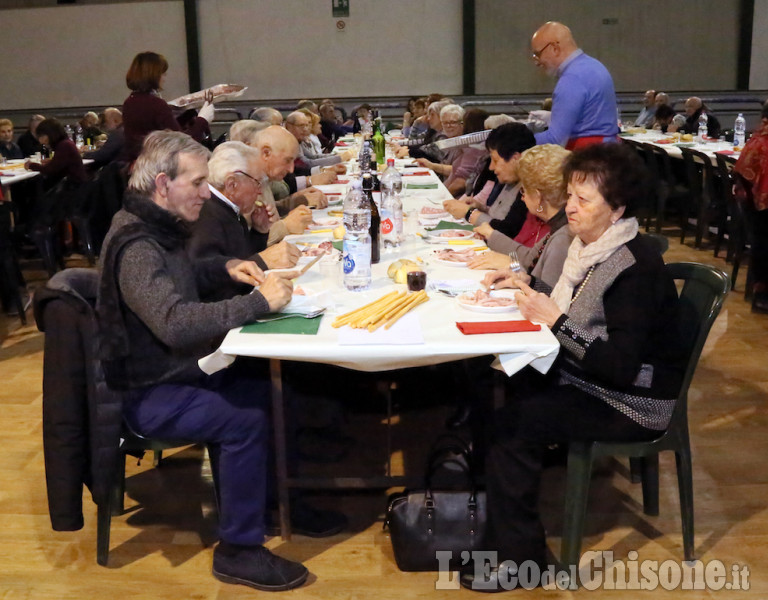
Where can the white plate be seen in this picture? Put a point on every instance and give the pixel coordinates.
(334, 200)
(433, 215)
(325, 223)
(491, 309)
(448, 263)
(443, 236)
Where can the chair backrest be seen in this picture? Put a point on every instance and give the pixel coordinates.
(660, 242)
(701, 298)
(700, 173)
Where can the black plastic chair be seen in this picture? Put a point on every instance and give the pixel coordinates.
(739, 230)
(703, 293)
(666, 186)
(705, 204)
(133, 444)
(659, 241)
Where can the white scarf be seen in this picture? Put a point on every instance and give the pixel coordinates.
(581, 257)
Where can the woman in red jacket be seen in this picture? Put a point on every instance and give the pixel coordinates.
(145, 111)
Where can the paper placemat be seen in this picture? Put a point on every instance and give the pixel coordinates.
(452, 225)
(293, 325)
(406, 331)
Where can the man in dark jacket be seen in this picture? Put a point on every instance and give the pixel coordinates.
(154, 329)
(225, 226)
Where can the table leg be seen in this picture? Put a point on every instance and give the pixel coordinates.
(278, 420)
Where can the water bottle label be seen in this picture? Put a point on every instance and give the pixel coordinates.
(387, 226)
(356, 256)
(349, 264)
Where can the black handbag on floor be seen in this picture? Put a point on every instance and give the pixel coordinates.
(423, 522)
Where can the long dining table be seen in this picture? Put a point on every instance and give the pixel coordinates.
(427, 335)
(673, 145)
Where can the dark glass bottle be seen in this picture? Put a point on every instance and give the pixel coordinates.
(375, 176)
(379, 145)
(375, 227)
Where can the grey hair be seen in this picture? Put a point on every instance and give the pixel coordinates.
(495, 121)
(265, 114)
(160, 154)
(436, 107)
(245, 130)
(228, 158)
(450, 110)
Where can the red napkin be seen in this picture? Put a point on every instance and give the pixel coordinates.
(416, 173)
(342, 144)
(333, 193)
(473, 327)
(662, 142)
(340, 180)
(725, 152)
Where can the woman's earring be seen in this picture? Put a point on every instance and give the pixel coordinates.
(540, 208)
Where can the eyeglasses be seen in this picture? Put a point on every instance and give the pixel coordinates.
(252, 178)
(451, 123)
(537, 54)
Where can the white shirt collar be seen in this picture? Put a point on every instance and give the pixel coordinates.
(226, 200)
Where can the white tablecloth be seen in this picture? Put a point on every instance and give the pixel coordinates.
(436, 318)
(708, 148)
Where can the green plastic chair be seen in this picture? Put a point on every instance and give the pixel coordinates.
(703, 292)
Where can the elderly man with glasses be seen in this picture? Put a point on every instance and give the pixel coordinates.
(584, 101)
(225, 226)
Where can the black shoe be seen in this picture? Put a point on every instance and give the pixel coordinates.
(760, 303)
(257, 567)
(308, 521)
(500, 579)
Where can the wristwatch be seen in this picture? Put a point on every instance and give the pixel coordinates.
(469, 214)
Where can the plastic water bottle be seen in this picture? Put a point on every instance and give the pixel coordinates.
(740, 131)
(391, 178)
(702, 132)
(357, 240)
(79, 137)
(391, 218)
(391, 205)
(68, 130)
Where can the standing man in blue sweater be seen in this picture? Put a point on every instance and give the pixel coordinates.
(584, 101)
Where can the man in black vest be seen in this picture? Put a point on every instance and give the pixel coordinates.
(154, 329)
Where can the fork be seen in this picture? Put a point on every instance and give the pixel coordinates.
(310, 315)
(514, 266)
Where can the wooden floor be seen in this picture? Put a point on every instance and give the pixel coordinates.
(162, 547)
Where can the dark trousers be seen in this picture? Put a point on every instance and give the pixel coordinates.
(760, 250)
(553, 414)
(229, 412)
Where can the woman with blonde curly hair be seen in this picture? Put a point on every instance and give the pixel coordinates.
(540, 170)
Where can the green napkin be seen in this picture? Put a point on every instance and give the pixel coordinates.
(421, 186)
(626, 134)
(684, 144)
(449, 225)
(338, 245)
(297, 325)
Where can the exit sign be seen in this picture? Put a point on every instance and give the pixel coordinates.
(340, 8)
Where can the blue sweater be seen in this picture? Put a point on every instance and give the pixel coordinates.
(583, 103)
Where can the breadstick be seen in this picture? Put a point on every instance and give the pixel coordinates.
(418, 298)
(353, 313)
(355, 319)
(390, 310)
(382, 310)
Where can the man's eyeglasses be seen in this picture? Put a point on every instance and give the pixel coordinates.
(537, 54)
(451, 123)
(256, 181)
